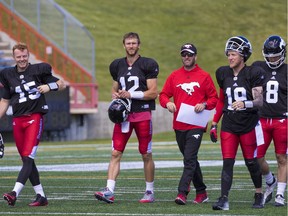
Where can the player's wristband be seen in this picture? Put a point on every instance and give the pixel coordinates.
(248, 104)
(213, 127)
(205, 104)
(137, 95)
(53, 86)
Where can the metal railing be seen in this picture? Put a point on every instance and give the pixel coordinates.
(29, 27)
(58, 26)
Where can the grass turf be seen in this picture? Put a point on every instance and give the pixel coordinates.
(165, 25)
(71, 193)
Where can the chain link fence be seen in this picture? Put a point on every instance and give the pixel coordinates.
(59, 27)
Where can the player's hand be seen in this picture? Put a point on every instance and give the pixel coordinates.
(213, 133)
(1, 147)
(124, 94)
(43, 88)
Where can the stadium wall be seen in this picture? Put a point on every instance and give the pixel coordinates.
(99, 126)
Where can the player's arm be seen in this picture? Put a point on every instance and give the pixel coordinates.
(257, 93)
(61, 85)
(114, 90)
(152, 92)
(217, 116)
(4, 104)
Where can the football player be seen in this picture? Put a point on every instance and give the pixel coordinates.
(239, 98)
(24, 89)
(134, 77)
(273, 116)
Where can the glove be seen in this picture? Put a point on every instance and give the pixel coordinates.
(1, 147)
(213, 133)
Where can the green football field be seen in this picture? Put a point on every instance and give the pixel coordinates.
(71, 173)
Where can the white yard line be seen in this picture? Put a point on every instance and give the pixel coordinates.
(124, 166)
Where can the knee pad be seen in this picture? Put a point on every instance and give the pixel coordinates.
(27, 161)
(252, 165)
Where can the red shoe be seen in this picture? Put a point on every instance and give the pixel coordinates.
(180, 199)
(39, 201)
(201, 198)
(10, 198)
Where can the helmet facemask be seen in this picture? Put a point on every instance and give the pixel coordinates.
(273, 47)
(240, 45)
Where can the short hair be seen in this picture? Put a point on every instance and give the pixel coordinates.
(20, 46)
(131, 35)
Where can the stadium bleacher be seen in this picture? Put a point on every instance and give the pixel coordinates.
(6, 60)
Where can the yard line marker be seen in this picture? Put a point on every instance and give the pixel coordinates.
(124, 166)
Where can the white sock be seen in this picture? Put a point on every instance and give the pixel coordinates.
(39, 190)
(111, 185)
(269, 178)
(281, 186)
(18, 188)
(150, 186)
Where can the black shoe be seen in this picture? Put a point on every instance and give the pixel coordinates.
(39, 201)
(221, 204)
(258, 200)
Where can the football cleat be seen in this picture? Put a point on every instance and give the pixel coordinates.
(258, 201)
(10, 198)
(148, 197)
(39, 201)
(269, 190)
(201, 198)
(279, 200)
(181, 199)
(105, 195)
(221, 204)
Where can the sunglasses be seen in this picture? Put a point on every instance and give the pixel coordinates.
(184, 54)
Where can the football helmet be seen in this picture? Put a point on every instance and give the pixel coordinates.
(274, 51)
(119, 109)
(239, 44)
